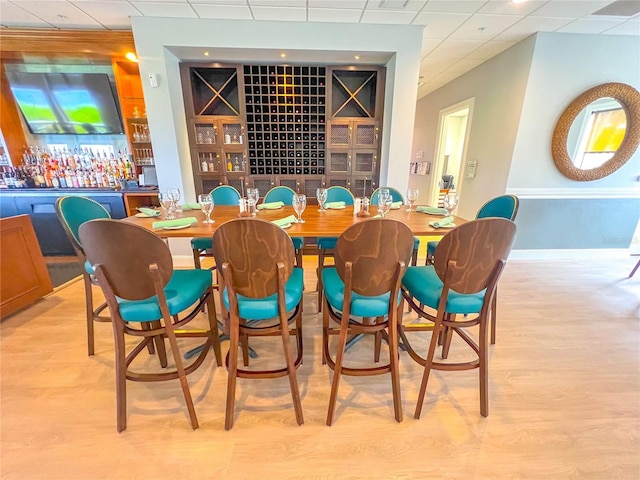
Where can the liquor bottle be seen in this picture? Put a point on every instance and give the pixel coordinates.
(229, 164)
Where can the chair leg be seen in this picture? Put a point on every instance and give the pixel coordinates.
(184, 384)
(293, 381)
(88, 301)
(244, 343)
(414, 257)
(159, 341)
(150, 346)
(395, 369)
(196, 258)
(427, 367)
(447, 335)
(234, 335)
(494, 315)
(325, 335)
(377, 342)
(484, 370)
(213, 326)
(299, 257)
(320, 267)
(342, 344)
(121, 382)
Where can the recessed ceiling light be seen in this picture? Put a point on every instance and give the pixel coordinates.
(206, 54)
(131, 56)
(518, 1)
(357, 57)
(282, 55)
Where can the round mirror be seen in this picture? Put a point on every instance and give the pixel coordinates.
(598, 132)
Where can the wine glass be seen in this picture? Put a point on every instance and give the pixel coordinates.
(299, 204)
(321, 195)
(384, 202)
(174, 195)
(412, 196)
(206, 205)
(450, 202)
(255, 195)
(166, 202)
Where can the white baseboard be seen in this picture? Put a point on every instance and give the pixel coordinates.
(182, 261)
(559, 254)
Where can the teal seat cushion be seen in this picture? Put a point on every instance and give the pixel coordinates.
(183, 290)
(265, 308)
(361, 306)
(431, 247)
(424, 284)
(327, 243)
(201, 243)
(89, 268)
(298, 242)
(416, 243)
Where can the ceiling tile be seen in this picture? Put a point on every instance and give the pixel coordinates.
(13, 15)
(530, 25)
(458, 6)
(160, 1)
(429, 44)
(464, 65)
(60, 14)
(278, 3)
(490, 49)
(236, 3)
(179, 10)
(441, 64)
(568, 8)
(439, 25)
(507, 7)
(455, 48)
(394, 5)
(446, 76)
(484, 27)
(110, 14)
(590, 25)
(350, 5)
(227, 12)
(631, 27)
(388, 17)
(280, 14)
(334, 15)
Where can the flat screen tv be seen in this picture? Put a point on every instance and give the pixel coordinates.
(66, 103)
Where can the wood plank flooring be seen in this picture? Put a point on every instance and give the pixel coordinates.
(564, 397)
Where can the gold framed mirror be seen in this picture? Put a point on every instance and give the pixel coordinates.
(598, 132)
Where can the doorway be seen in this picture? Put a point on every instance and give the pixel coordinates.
(453, 136)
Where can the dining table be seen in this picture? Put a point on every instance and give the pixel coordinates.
(329, 223)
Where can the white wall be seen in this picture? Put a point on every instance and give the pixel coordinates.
(498, 87)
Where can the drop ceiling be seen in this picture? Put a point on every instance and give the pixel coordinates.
(458, 34)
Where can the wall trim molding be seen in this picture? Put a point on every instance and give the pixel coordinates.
(568, 254)
(583, 193)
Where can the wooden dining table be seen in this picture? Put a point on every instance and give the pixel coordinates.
(330, 223)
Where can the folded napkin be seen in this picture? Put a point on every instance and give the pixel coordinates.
(442, 223)
(178, 222)
(270, 206)
(190, 206)
(431, 210)
(284, 221)
(334, 205)
(149, 212)
(396, 205)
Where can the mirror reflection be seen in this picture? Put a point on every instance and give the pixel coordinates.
(596, 133)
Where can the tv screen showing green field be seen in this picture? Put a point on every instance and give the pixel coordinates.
(66, 103)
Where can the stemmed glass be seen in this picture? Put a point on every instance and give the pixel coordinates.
(412, 196)
(384, 201)
(321, 195)
(174, 195)
(450, 202)
(166, 202)
(299, 204)
(206, 205)
(253, 193)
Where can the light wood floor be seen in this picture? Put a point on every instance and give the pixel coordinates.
(564, 398)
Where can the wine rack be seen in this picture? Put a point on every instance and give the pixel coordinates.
(286, 119)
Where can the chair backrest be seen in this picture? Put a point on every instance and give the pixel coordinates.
(339, 194)
(253, 248)
(375, 247)
(504, 206)
(280, 194)
(125, 252)
(476, 248)
(225, 195)
(395, 195)
(73, 211)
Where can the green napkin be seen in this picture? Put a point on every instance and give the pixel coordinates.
(149, 212)
(284, 221)
(442, 223)
(396, 205)
(190, 206)
(270, 206)
(334, 205)
(431, 210)
(178, 222)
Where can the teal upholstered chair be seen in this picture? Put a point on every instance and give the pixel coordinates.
(504, 206)
(462, 281)
(146, 299)
(262, 296)
(73, 211)
(362, 295)
(285, 195)
(222, 195)
(327, 244)
(397, 197)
